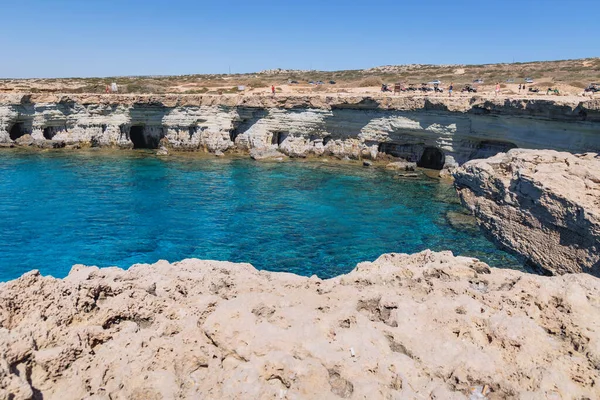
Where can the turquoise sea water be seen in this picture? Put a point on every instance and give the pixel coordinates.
(117, 209)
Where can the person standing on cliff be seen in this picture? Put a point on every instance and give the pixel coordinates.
(273, 90)
(450, 89)
(519, 88)
(497, 88)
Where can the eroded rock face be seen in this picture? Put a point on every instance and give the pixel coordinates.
(434, 132)
(427, 325)
(543, 205)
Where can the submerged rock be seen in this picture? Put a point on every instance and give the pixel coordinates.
(408, 175)
(542, 204)
(427, 325)
(462, 221)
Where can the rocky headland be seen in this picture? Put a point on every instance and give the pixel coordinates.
(542, 205)
(435, 132)
(428, 325)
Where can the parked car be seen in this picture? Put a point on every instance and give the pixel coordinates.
(311, 82)
(534, 90)
(528, 80)
(478, 81)
(510, 80)
(319, 82)
(291, 81)
(592, 88)
(469, 89)
(436, 82)
(332, 82)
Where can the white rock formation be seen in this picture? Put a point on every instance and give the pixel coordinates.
(543, 205)
(427, 325)
(436, 132)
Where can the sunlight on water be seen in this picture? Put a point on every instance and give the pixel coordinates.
(117, 209)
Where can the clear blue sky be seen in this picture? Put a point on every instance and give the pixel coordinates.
(64, 38)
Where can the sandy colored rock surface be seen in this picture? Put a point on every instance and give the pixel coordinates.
(427, 325)
(543, 205)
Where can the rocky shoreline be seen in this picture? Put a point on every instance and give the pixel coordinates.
(428, 325)
(435, 132)
(542, 205)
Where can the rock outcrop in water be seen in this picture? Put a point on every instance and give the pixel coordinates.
(434, 132)
(542, 205)
(427, 325)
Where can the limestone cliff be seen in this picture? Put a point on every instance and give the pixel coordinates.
(434, 132)
(542, 205)
(427, 325)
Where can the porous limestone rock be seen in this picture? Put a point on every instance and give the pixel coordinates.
(543, 205)
(265, 154)
(162, 151)
(343, 126)
(401, 166)
(428, 325)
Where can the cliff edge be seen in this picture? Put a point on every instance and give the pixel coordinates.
(428, 325)
(435, 132)
(543, 205)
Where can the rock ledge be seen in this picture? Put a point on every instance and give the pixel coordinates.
(541, 204)
(428, 325)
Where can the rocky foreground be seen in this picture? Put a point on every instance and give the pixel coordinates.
(428, 325)
(541, 204)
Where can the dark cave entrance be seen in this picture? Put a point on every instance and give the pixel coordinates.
(278, 138)
(49, 132)
(16, 131)
(432, 158)
(140, 139)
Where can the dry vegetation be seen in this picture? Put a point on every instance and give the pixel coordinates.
(569, 75)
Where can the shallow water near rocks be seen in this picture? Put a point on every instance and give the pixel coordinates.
(58, 209)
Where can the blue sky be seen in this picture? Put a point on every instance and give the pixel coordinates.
(64, 38)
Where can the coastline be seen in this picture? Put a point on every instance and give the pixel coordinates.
(426, 324)
(434, 132)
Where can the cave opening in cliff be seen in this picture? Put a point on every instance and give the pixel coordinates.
(16, 131)
(278, 138)
(275, 138)
(432, 158)
(141, 138)
(49, 133)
